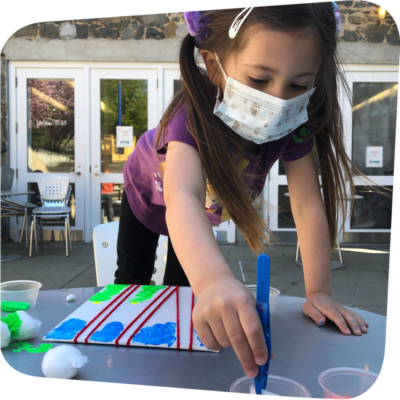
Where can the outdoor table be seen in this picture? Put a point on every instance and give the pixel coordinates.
(302, 350)
(9, 193)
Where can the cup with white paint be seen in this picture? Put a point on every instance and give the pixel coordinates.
(273, 296)
(276, 385)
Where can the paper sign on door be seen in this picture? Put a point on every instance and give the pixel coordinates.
(374, 157)
(124, 136)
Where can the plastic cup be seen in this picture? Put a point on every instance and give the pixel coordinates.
(273, 296)
(277, 385)
(346, 383)
(20, 291)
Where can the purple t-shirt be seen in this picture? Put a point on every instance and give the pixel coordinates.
(144, 171)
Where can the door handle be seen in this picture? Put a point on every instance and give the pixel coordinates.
(76, 172)
(97, 173)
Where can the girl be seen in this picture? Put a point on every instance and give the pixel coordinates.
(269, 91)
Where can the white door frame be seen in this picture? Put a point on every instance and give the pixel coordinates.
(18, 134)
(149, 74)
(359, 73)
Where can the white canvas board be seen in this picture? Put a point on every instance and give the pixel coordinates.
(154, 312)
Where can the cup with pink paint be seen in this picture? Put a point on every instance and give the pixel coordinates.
(346, 383)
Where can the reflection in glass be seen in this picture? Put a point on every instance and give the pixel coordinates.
(374, 124)
(123, 103)
(285, 217)
(177, 86)
(51, 130)
(111, 195)
(374, 211)
(35, 199)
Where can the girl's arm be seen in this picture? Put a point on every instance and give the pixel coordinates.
(225, 312)
(312, 230)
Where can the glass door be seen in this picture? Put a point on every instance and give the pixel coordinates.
(50, 137)
(123, 107)
(370, 129)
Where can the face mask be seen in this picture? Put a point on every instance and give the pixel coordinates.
(258, 116)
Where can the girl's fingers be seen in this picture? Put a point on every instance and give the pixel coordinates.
(355, 322)
(206, 336)
(252, 328)
(240, 344)
(314, 314)
(219, 332)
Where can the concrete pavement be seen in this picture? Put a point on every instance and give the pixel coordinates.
(363, 283)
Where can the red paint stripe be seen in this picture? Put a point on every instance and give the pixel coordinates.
(125, 330)
(101, 312)
(148, 317)
(191, 324)
(178, 339)
(95, 328)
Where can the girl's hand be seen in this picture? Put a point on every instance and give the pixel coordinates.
(320, 306)
(225, 315)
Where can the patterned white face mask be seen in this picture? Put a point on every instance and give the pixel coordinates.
(258, 116)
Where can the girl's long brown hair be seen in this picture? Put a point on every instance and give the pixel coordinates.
(220, 148)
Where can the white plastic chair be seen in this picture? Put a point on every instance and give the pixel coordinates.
(105, 254)
(54, 191)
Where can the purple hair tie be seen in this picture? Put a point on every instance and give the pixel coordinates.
(337, 17)
(197, 26)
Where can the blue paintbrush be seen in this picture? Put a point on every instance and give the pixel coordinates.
(263, 273)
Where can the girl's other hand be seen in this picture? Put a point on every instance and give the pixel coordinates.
(225, 315)
(320, 306)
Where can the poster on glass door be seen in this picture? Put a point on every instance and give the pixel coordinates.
(124, 136)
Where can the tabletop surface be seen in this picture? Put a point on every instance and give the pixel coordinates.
(302, 350)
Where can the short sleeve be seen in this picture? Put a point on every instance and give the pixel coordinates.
(298, 146)
(177, 131)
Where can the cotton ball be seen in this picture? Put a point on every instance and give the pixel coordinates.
(5, 335)
(22, 325)
(264, 392)
(71, 297)
(62, 362)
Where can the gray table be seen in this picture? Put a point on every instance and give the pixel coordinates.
(9, 193)
(302, 350)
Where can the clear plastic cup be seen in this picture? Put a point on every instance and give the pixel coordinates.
(273, 296)
(277, 385)
(346, 383)
(20, 291)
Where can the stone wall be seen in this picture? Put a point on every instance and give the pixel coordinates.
(360, 23)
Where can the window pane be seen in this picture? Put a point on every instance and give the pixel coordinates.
(123, 103)
(285, 217)
(111, 195)
(51, 130)
(374, 211)
(374, 124)
(177, 85)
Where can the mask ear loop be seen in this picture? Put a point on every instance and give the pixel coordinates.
(238, 21)
(223, 72)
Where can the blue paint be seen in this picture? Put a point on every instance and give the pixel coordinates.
(67, 330)
(157, 334)
(109, 333)
(320, 323)
(201, 344)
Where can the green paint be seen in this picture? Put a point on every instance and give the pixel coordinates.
(12, 306)
(146, 293)
(107, 293)
(303, 131)
(14, 323)
(20, 346)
